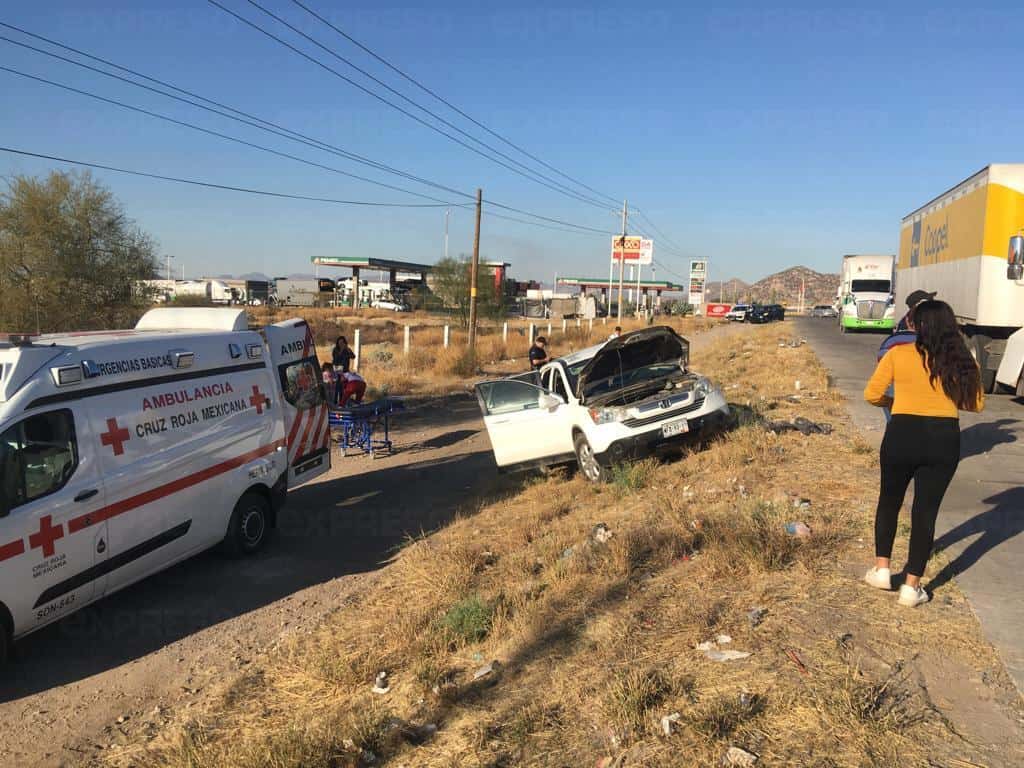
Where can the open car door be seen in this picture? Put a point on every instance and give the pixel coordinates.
(528, 426)
(305, 406)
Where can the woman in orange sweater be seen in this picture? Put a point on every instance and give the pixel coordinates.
(934, 379)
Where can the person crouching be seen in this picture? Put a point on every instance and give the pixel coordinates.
(353, 387)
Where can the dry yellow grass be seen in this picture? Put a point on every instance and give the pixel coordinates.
(429, 368)
(597, 641)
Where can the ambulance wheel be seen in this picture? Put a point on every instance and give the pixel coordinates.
(5, 644)
(248, 527)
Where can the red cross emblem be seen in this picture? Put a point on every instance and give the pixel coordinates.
(258, 400)
(46, 536)
(115, 436)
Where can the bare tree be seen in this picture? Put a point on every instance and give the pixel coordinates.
(70, 258)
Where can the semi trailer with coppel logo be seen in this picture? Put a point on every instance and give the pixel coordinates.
(865, 296)
(956, 245)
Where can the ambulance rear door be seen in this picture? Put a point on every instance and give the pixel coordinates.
(304, 400)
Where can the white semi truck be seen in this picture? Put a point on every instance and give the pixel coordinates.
(955, 244)
(865, 298)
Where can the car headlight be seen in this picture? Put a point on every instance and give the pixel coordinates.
(702, 388)
(605, 415)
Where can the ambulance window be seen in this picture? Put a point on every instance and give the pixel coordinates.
(37, 457)
(302, 384)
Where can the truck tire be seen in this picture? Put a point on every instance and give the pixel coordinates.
(247, 529)
(979, 349)
(589, 466)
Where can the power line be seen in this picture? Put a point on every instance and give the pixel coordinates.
(250, 120)
(311, 142)
(565, 189)
(227, 187)
(391, 104)
(447, 103)
(218, 134)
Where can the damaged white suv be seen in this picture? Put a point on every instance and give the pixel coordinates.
(625, 399)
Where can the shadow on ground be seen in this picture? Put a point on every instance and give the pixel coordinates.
(328, 530)
(1001, 522)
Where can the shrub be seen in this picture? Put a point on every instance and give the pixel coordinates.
(469, 620)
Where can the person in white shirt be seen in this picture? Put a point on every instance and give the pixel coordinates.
(616, 333)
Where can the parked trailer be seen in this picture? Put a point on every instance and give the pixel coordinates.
(955, 245)
(305, 292)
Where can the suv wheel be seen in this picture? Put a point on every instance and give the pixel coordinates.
(590, 467)
(248, 527)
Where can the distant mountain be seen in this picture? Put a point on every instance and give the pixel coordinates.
(731, 291)
(784, 287)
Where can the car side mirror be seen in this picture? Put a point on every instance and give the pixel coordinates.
(549, 402)
(1015, 258)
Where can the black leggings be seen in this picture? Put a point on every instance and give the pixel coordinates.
(925, 449)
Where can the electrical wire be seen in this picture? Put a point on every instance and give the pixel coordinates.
(447, 103)
(383, 100)
(566, 190)
(250, 120)
(227, 187)
(218, 134)
(253, 121)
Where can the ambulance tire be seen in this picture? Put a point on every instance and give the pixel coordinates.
(249, 524)
(5, 640)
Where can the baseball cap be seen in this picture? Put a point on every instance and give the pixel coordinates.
(916, 297)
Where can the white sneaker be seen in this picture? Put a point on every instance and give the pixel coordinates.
(879, 578)
(912, 596)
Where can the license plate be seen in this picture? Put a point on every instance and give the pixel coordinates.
(677, 427)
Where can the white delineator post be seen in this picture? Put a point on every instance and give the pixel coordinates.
(446, 337)
(533, 332)
(563, 324)
(356, 349)
(504, 332)
(405, 346)
(549, 329)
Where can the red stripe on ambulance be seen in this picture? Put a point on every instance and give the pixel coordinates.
(319, 427)
(82, 522)
(305, 434)
(15, 548)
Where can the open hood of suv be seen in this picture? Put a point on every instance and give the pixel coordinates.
(621, 359)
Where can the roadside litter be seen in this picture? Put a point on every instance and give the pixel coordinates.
(711, 649)
(601, 534)
(668, 721)
(801, 425)
(381, 685)
(734, 756)
(800, 530)
(486, 671)
(796, 660)
(756, 615)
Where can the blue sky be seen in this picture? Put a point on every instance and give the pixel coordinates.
(758, 135)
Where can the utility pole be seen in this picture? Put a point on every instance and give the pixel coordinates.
(622, 255)
(474, 267)
(447, 213)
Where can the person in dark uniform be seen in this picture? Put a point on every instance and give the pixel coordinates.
(539, 354)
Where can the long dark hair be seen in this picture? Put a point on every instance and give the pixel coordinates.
(945, 355)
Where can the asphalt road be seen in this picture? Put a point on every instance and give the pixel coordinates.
(982, 515)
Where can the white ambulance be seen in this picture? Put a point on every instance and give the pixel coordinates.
(124, 452)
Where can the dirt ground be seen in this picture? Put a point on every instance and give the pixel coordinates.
(117, 672)
(125, 665)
